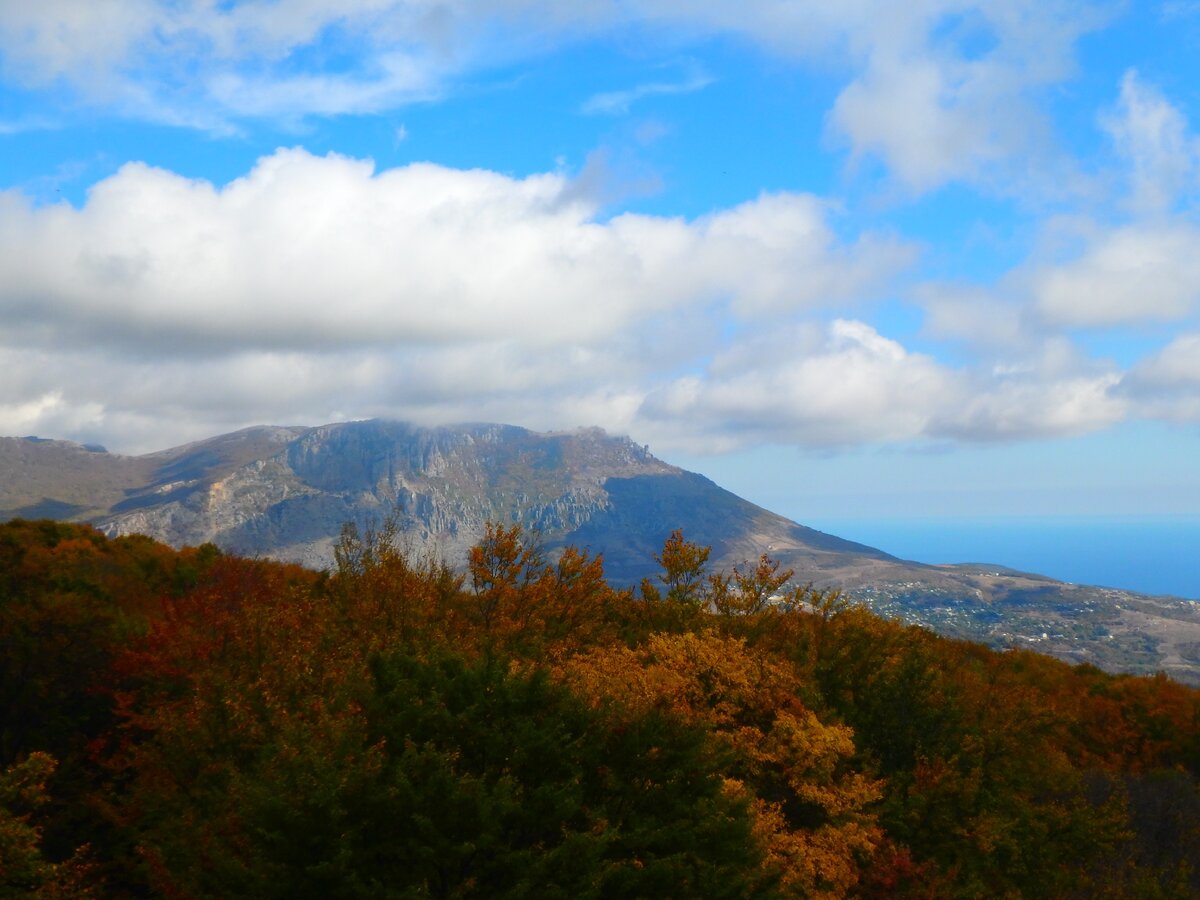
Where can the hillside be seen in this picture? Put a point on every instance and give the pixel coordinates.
(195, 724)
(286, 493)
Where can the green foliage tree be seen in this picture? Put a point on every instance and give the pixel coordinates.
(811, 809)
(70, 600)
(24, 869)
(443, 778)
(394, 728)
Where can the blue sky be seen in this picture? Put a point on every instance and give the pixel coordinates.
(866, 259)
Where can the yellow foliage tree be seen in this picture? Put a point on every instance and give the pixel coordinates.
(811, 812)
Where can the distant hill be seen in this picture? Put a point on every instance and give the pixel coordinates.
(285, 492)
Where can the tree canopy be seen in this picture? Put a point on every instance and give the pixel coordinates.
(189, 723)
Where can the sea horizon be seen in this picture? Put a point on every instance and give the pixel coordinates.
(1148, 554)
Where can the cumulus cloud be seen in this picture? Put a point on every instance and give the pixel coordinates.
(935, 120)
(1139, 267)
(939, 90)
(426, 292)
(1145, 268)
(318, 252)
(1029, 378)
(1023, 406)
(316, 288)
(848, 384)
(1166, 384)
(138, 405)
(1177, 364)
(974, 314)
(1142, 271)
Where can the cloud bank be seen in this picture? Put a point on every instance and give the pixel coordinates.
(324, 289)
(317, 288)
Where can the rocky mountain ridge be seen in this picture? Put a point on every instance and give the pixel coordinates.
(285, 492)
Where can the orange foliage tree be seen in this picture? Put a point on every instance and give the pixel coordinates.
(812, 811)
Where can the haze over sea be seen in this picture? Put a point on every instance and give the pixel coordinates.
(1158, 555)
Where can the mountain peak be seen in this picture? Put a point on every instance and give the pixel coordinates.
(286, 492)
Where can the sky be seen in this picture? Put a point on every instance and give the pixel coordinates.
(858, 259)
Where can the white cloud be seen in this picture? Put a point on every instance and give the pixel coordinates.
(798, 262)
(400, 81)
(979, 316)
(319, 252)
(315, 288)
(1020, 406)
(1166, 384)
(1152, 135)
(1086, 273)
(200, 63)
(939, 90)
(849, 385)
(924, 122)
(68, 39)
(617, 103)
(845, 385)
(1029, 381)
(25, 124)
(1136, 272)
(1177, 364)
(315, 285)
(1050, 390)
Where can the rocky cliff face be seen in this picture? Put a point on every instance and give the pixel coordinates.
(287, 492)
(441, 485)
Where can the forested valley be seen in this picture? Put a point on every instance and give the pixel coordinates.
(194, 724)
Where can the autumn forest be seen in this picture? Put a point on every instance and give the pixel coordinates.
(194, 724)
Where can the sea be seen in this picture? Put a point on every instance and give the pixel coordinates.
(1148, 555)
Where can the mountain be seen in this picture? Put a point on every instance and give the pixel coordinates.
(285, 492)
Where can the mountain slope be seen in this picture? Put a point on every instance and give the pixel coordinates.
(61, 479)
(287, 492)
